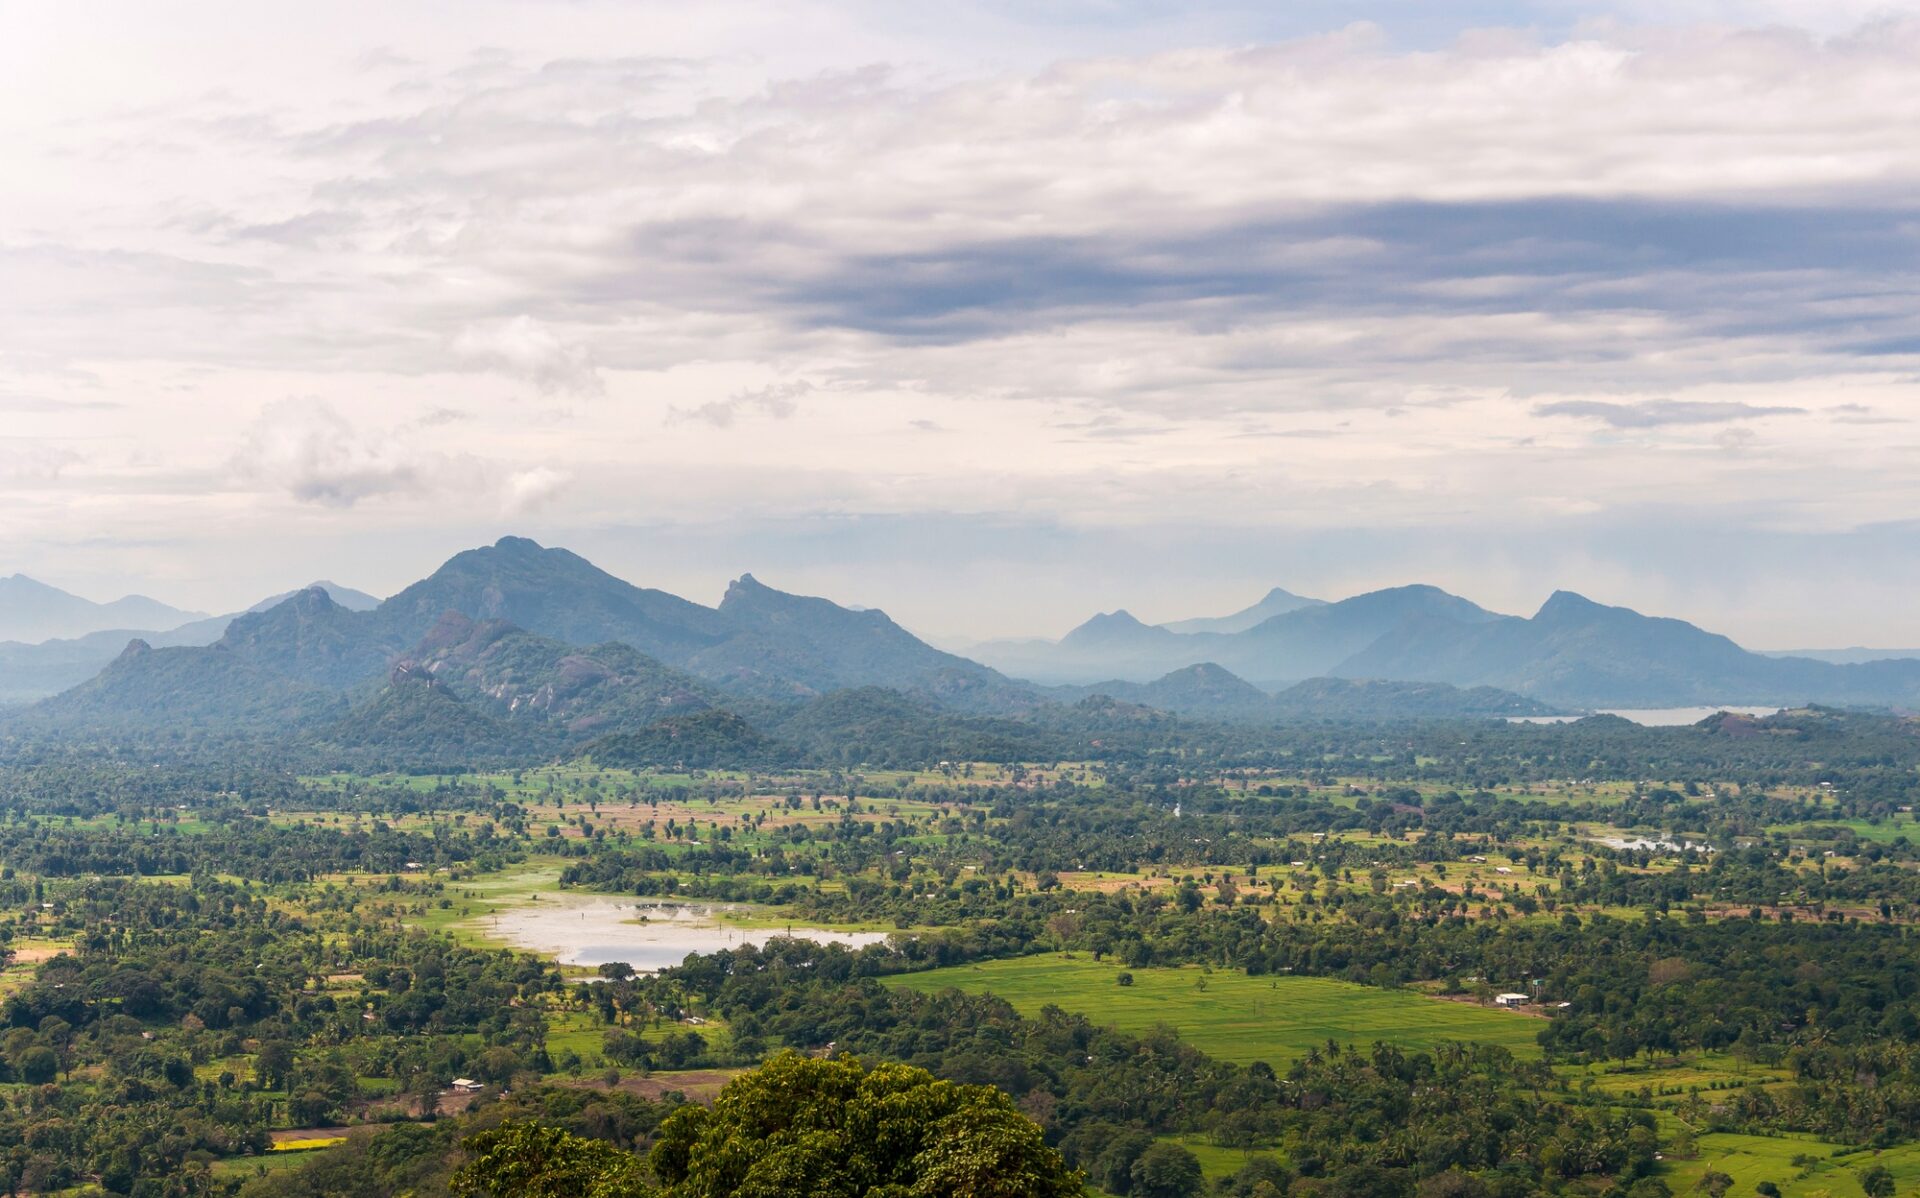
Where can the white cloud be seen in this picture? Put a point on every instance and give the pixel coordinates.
(525, 349)
(529, 490)
(25, 461)
(305, 447)
(776, 401)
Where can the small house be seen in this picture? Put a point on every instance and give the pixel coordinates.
(465, 1085)
(1512, 999)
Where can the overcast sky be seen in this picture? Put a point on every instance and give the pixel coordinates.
(989, 314)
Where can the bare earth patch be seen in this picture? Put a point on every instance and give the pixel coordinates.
(699, 1085)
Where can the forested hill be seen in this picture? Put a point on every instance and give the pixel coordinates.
(760, 643)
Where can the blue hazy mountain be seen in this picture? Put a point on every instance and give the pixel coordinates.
(31, 611)
(1276, 602)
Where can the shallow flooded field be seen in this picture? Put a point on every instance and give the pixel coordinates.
(648, 935)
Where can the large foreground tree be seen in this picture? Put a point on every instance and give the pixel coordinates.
(798, 1126)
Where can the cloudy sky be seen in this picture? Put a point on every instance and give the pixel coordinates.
(990, 313)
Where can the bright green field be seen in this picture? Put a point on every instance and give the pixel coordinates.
(1750, 1160)
(1235, 1017)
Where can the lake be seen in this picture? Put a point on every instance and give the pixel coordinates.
(1651, 717)
(585, 929)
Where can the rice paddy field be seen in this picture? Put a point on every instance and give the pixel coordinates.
(1801, 1166)
(1230, 1015)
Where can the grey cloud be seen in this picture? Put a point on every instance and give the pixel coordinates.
(1654, 413)
(1837, 280)
(1855, 413)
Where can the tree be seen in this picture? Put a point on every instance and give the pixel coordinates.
(1714, 1183)
(525, 1160)
(803, 1126)
(1166, 1171)
(38, 1065)
(1876, 1181)
(274, 1064)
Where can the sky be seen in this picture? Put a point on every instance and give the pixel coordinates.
(990, 314)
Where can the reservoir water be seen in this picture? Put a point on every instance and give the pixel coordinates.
(1651, 717)
(583, 929)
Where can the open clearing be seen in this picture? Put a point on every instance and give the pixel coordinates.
(1750, 1160)
(1230, 1015)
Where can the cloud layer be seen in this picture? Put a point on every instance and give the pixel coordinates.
(1290, 282)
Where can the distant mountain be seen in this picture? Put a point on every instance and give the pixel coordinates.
(36, 671)
(1305, 642)
(543, 634)
(1576, 652)
(30, 672)
(1205, 689)
(1312, 642)
(1278, 602)
(555, 593)
(1112, 644)
(780, 643)
(313, 640)
(186, 688)
(1572, 653)
(545, 649)
(346, 597)
(1854, 656)
(32, 611)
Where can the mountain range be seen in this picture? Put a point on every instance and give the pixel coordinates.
(521, 646)
(32, 611)
(1573, 652)
(32, 670)
(518, 650)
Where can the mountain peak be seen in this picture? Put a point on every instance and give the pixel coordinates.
(518, 545)
(135, 648)
(1276, 602)
(312, 600)
(1568, 605)
(1114, 629)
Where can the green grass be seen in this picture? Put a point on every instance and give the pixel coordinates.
(1670, 1083)
(241, 1167)
(1235, 1017)
(476, 898)
(1216, 1162)
(1750, 1160)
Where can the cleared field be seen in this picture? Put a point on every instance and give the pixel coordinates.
(1750, 1160)
(1230, 1015)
